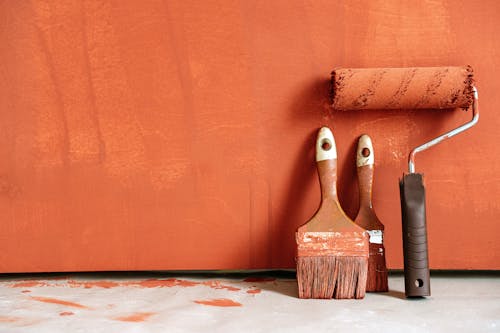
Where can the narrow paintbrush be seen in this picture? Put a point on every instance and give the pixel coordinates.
(332, 251)
(366, 218)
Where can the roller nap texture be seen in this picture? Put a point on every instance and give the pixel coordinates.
(402, 88)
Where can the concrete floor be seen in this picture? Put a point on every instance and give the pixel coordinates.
(263, 302)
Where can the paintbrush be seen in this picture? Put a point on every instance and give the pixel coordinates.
(366, 218)
(332, 251)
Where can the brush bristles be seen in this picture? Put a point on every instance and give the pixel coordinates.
(332, 277)
(377, 270)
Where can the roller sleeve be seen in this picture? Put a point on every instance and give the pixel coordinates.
(402, 88)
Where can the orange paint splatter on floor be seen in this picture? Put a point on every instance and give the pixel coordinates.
(29, 284)
(4, 319)
(92, 284)
(155, 283)
(101, 284)
(185, 283)
(254, 291)
(150, 283)
(223, 302)
(259, 279)
(58, 301)
(136, 317)
(217, 285)
(66, 313)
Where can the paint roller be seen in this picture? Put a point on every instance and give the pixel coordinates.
(409, 88)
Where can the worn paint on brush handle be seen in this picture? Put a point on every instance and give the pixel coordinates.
(366, 217)
(330, 221)
(416, 261)
(330, 216)
(365, 154)
(377, 280)
(325, 145)
(326, 159)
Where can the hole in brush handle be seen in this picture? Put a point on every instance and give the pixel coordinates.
(326, 145)
(365, 152)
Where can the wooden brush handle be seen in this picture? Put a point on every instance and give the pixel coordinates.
(364, 162)
(330, 217)
(326, 159)
(366, 217)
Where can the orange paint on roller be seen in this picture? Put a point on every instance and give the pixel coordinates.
(402, 88)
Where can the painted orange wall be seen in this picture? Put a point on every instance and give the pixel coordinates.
(180, 134)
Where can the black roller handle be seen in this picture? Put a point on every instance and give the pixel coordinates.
(416, 259)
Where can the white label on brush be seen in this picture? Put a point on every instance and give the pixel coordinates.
(376, 236)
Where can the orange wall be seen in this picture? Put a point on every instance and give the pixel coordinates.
(180, 134)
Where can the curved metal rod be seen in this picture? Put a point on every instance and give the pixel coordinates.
(447, 135)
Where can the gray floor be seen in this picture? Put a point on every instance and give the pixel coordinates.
(168, 302)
